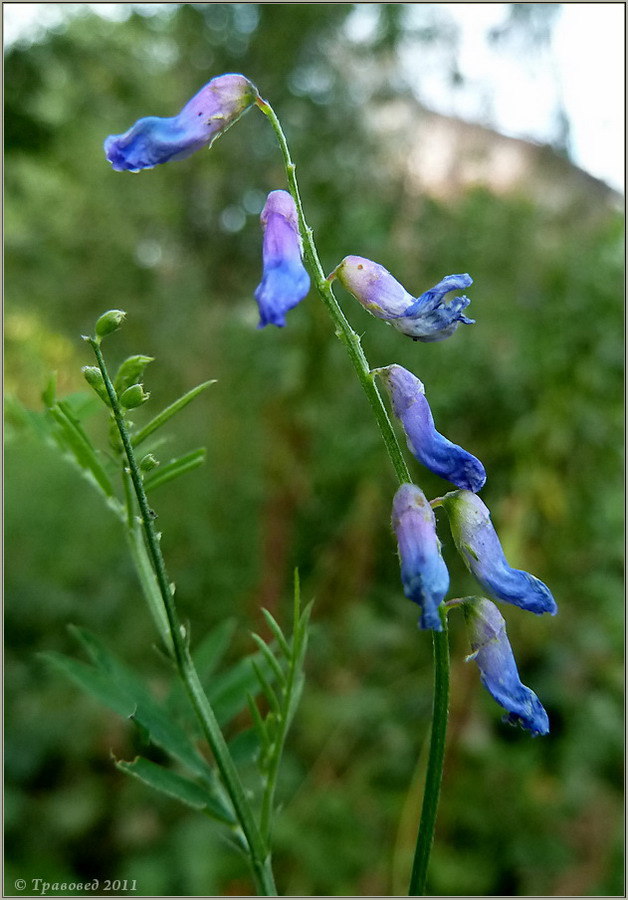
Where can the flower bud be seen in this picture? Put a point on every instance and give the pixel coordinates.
(154, 140)
(498, 669)
(438, 454)
(479, 546)
(285, 281)
(424, 574)
(93, 376)
(148, 463)
(134, 396)
(426, 318)
(130, 372)
(109, 322)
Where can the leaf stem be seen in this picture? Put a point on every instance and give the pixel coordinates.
(434, 775)
(344, 331)
(259, 856)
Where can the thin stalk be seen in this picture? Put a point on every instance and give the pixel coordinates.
(348, 336)
(344, 331)
(259, 856)
(434, 775)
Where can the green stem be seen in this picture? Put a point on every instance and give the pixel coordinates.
(259, 856)
(344, 331)
(279, 739)
(348, 336)
(434, 775)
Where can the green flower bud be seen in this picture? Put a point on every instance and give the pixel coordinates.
(134, 396)
(148, 462)
(130, 372)
(93, 376)
(109, 322)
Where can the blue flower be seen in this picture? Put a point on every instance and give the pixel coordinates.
(498, 669)
(424, 574)
(153, 140)
(438, 454)
(285, 281)
(479, 546)
(425, 318)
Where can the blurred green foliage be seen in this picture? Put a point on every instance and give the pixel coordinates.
(296, 473)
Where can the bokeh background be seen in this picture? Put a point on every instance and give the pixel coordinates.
(296, 474)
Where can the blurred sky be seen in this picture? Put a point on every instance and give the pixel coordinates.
(507, 87)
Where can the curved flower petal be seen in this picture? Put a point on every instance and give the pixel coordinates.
(479, 546)
(438, 454)
(426, 318)
(154, 140)
(498, 669)
(285, 281)
(430, 318)
(424, 574)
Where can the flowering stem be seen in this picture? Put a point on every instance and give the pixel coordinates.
(259, 855)
(344, 331)
(434, 775)
(351, 340)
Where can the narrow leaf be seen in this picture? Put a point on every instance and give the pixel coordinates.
(77, 441)
(270, 658)
(278, 633)
(124, 678)
(258, 721)
(114, 686)
(175, 468)
(168, 413)
(267, 690)
(94, 682)
(174, 785)
(228, 691)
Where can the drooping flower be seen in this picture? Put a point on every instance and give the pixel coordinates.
(498, 669)
(438, 454)
(285, 281)
(479, 546)
(154, 140)
(424, 318)
(424, 574)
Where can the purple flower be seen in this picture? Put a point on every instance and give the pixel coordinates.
(498, 669)
(439, 455)
(425, 318)
(424, 574)
(284, 281)
(479, 546)
(207, 115)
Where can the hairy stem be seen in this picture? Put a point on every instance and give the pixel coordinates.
(259, 855)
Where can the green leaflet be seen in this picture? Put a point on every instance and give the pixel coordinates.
(168, 413)
(174, 785)
(175, 468)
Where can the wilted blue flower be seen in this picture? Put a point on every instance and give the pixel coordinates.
(284, 282)
(479, 546)
(154, 140)
(425, 318)
(498, 669)
(424, 574)
(432, 449)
